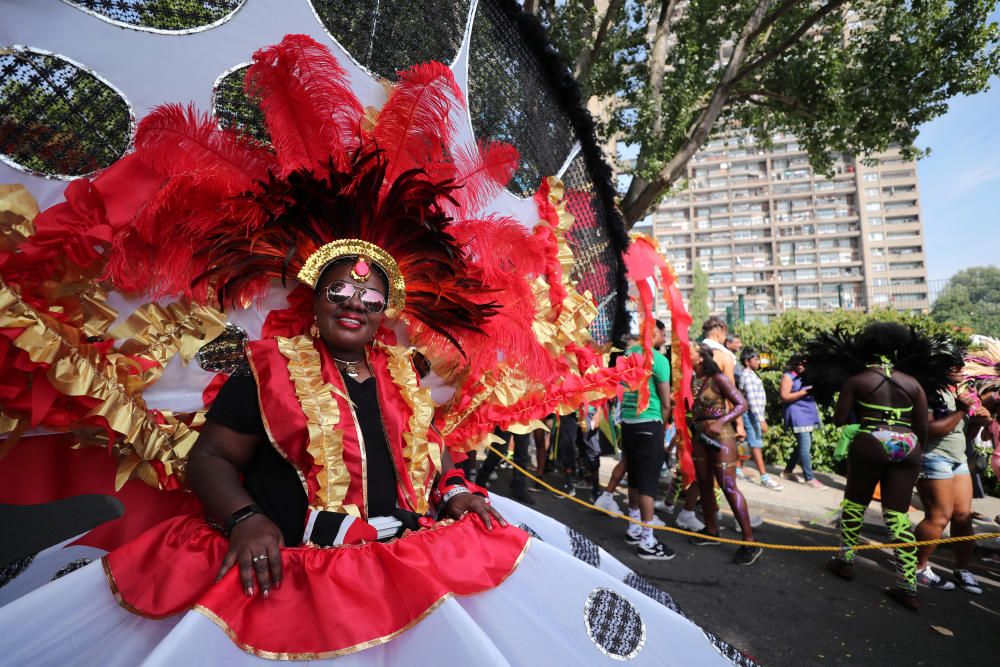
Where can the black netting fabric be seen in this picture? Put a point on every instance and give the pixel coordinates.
(592, 249)
(233, 109)
(171, 15)
(510, 98)
(522, 92)
(59, 119)
(385, 36)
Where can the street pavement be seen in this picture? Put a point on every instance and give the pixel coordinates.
(786, 609)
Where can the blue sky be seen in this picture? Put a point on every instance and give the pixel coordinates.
(960, 185)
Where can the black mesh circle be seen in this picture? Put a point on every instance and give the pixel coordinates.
(234, 109)
(166, 15)
(386, 36)
(58, 119)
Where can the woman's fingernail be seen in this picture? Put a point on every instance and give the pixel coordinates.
(249, 591)
(266, 593)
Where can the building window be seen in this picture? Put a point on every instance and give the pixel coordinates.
(878, 267)
(874, 236)
(873, 176)
(873, 206)
(871, 192)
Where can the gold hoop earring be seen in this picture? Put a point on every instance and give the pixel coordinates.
(314, 330)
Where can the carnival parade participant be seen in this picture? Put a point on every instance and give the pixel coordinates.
(643, 450)
(882, 374)
(327, 521)
(755, 418)
(945, 485)
(715, 453)
(801, 416)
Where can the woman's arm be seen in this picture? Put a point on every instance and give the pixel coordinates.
(214, 467)
(845, 403)
(787, 395)
(731, 394)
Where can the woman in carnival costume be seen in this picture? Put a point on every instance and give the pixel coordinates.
(331, 523)
(884, 375)
(715, 450)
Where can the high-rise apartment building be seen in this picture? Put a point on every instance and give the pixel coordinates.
(765, 227)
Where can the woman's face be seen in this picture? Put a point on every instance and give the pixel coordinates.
(347, 326)
(696, 359)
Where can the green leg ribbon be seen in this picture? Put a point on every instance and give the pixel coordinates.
(852, 517)
(900, 530)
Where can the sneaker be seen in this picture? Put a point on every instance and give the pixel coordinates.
(536, 487)
(662, 506)
(633, 537)
(841, 568)
(687, 520)
(704, 539)
(493, 476)
(906, 598)
(769, 483)
(747, 555)
(739, 474)
(658, 551)
(929, 578)
(967, 582)
(568, 488)
(790, 476)
(756, 521)
(815, 483)
(656, 521)
(607, 502)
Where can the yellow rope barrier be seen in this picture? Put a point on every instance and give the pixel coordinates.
(726, 540)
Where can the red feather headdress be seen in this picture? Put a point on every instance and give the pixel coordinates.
(230, 215)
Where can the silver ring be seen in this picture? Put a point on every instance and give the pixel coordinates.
(257, 559)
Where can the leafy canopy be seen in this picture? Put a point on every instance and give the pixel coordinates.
(843, 77)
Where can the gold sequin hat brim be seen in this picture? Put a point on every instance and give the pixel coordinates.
(331, 252)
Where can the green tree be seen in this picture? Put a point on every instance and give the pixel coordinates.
(843, 77)
(971, 299)
(698, 302)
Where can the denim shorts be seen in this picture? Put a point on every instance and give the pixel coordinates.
(935, 466)
(755, 436)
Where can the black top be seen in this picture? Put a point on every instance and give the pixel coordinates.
(273, 482)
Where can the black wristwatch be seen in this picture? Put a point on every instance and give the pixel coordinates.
(241, 514)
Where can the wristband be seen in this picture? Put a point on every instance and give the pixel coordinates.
(242, 514)
(452, 492)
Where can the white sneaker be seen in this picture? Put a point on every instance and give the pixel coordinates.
(607, 502)
(656, 521)
(662, 506)
(755, 522)
(687, 520)
(769, 483)
(929, 578)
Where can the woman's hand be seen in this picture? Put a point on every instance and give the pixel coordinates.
(470, 502)
(253, 545)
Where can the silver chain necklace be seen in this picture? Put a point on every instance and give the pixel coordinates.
(350, 367)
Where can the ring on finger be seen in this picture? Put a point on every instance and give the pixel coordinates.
(257, 559)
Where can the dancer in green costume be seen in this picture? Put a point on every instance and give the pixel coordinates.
(884, 375)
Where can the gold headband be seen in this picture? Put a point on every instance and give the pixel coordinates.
(331, 252)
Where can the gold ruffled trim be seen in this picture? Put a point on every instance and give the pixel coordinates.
(326, 439)
(77, 370)
(420, 454)
(158, 332)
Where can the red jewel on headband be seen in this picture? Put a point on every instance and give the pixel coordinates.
(361, 270)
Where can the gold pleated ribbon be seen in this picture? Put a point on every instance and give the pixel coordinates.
(76, 370)
(420, 455)
(326, 438)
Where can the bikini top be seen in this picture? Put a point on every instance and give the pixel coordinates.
(884, 414)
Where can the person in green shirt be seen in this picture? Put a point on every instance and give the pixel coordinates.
(643, 450)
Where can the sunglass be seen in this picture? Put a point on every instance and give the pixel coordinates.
(340, 292)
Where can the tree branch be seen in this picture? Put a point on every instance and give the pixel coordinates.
(641, 195)
(585, 61)
(791, 40)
